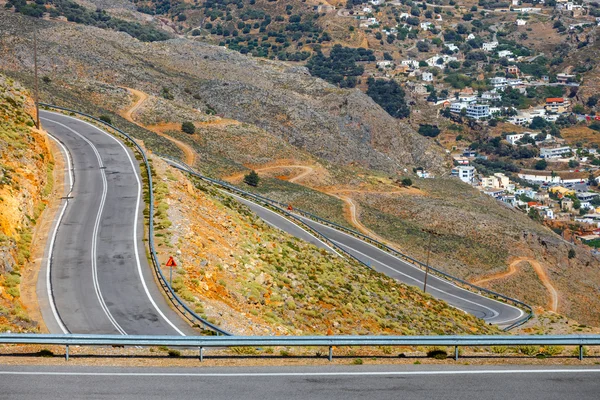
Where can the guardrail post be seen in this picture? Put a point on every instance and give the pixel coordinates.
(201, 353)
(67, 353)
(580, 352)
(330, 353)
(455, 353)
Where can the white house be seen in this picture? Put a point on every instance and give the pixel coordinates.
(369, 22)
(427, 77)
(425, 25)
(464, 173)
(505, 53)
(489, 46)
(490, 96)
(457, 107)
(385, 64)
(434, 61)
(471, 36)
(554, 152)
(516, 137)
(404, 15)
(499, 82)
(451, 46)
(367, 10)
(376, 2)
(467, 98)
(521, 22)
(412, 64)
(478, 111)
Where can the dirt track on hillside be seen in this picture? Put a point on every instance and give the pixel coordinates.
(141, 97)
(539, 270)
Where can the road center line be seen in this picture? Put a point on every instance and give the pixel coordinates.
(96, 229)
(135, 223)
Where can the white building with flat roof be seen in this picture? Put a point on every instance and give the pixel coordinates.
(554, 152)
(465, 173)
(489, 46)
(478, 111)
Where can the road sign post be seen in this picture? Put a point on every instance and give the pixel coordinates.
(171, 263)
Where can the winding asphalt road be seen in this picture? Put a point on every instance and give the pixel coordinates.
(96, 277)
(492, 311)
(407, 382)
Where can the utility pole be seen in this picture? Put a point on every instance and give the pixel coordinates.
(427, 264)
(35, 67)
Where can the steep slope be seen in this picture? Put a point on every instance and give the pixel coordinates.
(344, 127)
(25, 182)
(251, 278)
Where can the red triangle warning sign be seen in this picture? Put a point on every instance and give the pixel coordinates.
(171, 262)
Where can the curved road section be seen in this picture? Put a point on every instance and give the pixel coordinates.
(97, 277)
(492, 311)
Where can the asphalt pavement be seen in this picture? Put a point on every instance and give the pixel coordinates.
(323, 382)
(100, 280)
(490, 310)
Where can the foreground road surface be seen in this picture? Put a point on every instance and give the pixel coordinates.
(99, 279)
(276, 383)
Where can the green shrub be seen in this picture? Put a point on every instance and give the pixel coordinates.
(438, 354)
(188, 127)
(528, 350)
(105, 118)
(174, 353)
(357, 361)
(45, 353)
(252, 179)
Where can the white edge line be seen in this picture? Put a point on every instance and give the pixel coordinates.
(95, 230)
(419, 269)
(301, 374)
(281, 216)
(135, 238)
(495, 313)
(62, 327)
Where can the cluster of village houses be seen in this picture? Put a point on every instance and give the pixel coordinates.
(555, 198)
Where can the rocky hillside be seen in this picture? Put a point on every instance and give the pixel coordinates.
(25, 181)
(250, 278)
(344, 127)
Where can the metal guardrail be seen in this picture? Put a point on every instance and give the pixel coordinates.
(423, 266)
(281, 207)
(202, 342)
(175, 300)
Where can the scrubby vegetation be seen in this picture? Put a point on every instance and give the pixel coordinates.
(25, 181)
(76, 13)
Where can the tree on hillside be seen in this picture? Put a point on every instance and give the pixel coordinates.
(188, 127)
(252, 179)
(541, 165)
(390, 96)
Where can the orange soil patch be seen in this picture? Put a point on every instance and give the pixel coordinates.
(141, 97)
(539, 270)
(307, 170)
(580, 134)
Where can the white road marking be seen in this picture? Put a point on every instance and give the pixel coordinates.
(96, 229)
(62, 327)
(419, 269)
(312, 374)
(261, 206)
(135, 235)
(494, 313)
